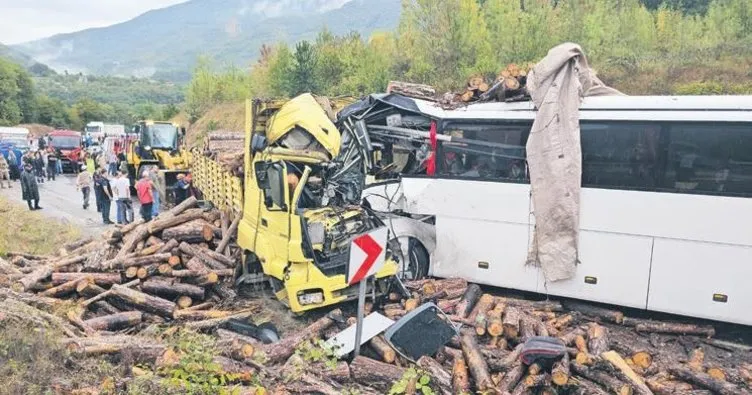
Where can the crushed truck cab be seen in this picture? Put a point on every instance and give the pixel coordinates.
(291, 232)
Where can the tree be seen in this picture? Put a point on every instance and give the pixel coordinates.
(303, 69)
(52, 112)
(10, 110)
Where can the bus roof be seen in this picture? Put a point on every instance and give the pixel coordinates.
(9, 131)
(656, 108)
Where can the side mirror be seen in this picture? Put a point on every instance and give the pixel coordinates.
(262, 180)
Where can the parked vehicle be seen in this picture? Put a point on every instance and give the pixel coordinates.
(69, 145)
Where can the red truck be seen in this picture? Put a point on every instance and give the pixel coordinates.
(68, 143)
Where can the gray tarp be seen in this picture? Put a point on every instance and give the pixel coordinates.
(557, 85)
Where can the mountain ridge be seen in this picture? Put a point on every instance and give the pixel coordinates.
(165, 43)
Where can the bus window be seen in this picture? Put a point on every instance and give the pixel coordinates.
(709, 158)
(483, 150)
(620, 155)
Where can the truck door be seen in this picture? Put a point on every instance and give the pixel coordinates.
(273, 227)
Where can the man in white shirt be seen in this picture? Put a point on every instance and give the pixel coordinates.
(121, 186)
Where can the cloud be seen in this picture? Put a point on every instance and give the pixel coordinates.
(28, 20)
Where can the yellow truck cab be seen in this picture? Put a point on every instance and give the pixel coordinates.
(158, 144)
(288, 235)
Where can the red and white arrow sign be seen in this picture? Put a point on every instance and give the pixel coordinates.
(367, 255)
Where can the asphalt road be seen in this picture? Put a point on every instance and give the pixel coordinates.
(60, 199)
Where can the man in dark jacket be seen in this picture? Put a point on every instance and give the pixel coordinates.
(51, 165)
(97, 191)
(29, 187)
(103, 189)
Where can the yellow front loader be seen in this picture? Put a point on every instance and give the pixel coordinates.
(160, 145)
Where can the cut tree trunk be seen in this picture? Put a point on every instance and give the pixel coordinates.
(64, 288)
(197, 315)
(440, 378)
(606, 315)
(282, 350)
(44, 272)
(215, 322)
(512, 377)
(208, 257)
(635, 380)
(475, 362)
(460, 376)
(468, 301)
(597, 339)
(609, 382)
(173, 290)
(676, 328)
(102, 279)
(383, 349)
(191, 232)
(116, 321)
(511, 322)
(418, 91)
(560, 371)
(144, 302)
(704, 380)
(231, 231)
(375, 374)
(144, 260)
(478, 314)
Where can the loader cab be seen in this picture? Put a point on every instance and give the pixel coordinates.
(163, 136)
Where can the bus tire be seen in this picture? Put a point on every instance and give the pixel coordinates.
(417, 260)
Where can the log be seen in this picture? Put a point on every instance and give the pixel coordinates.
(151, 249)
(468, 301)
(190, 232)
(174, 290)
(448, 306)
(560, 371)
(201, 306)
(378, 375)
(143, 301)
(197, 315)
(632, 378)
(282, 350)
(383, 349)
(704, 380)
(609, 382)
(587, 387)
(105, 307)
(180, 208)
(215, 322)
(116, 321)
(132, 272)
(63, 289)
(479, 312)
(195, 265)
(169, 221)
(231, 231)
(44, 272)
(102, 279)
(147, 271)
(208, 257)
(597, 339)
(130, 242)
(440, 378)
(602, 314)
(676, 328)
(88, 289)
(209, 232)
(531, 381)
(168, 246)
(8, 269)
(144, 261)
(418, 91)
(460, 376)
(511, 322)
(475, 362)
(527, 328)
(184, 302)
(74, 245)
(512, 377)
(640, 356)
(203, 279)
(527, 305)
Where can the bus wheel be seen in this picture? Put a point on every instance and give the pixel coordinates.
(414, 261)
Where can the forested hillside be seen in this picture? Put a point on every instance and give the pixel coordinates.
(640, 47)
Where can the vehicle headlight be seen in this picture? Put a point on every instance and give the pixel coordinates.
(311, 297)
(147, 147)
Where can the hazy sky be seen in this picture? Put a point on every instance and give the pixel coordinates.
(25, 20)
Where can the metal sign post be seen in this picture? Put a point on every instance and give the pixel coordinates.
(367, 256)
(361, 312)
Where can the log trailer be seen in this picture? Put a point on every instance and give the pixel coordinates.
(294, 230)
(158, 144)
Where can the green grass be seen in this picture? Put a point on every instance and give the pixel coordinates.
(31, 232)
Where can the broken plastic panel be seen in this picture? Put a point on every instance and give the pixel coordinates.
(420, 332)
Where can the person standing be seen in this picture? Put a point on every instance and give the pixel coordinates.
(39, 166)
(102, 184)
(4, 172)
(29, 188)
(97, 192)
(83, 184)
(51, 165)
(144, 190)
(122, 188)
(113, 159)
(59, 163)
(155, 188)
(102, 161)
(181, 189)
(15, 172)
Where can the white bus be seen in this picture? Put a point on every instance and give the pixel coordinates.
(666, 202)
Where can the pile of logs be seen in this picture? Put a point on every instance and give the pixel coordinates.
(225, 147)
(606, 352)
(171, 268)
(508, 85)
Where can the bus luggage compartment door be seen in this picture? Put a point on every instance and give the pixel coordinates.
(614, 268)
(702, 279)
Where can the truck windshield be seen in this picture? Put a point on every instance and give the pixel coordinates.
(160, 136)
(66, 142)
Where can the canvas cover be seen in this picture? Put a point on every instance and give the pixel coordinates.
(557, 84)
